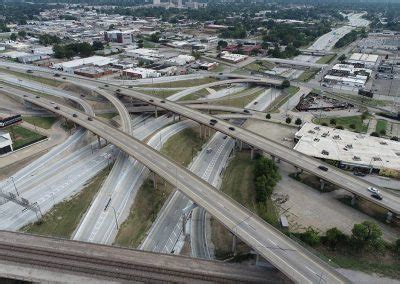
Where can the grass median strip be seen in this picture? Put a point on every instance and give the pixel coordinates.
(63, 218)
(181, 147)
(23, 137)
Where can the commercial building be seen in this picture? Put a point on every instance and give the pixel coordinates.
(232, 57)
(351, 150)
(5, 143)
(92, 72)
(363, 59)
(123, 37)
(141, 73)
(180, 60)
(70, 66)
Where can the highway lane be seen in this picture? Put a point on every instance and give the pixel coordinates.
(166, 232)
(289, 257)
(118, 191)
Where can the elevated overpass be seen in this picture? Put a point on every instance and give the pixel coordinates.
(52, 260)
(291, 62)
(285, 254)
(316, 52)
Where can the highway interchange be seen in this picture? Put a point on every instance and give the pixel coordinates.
(135, 159)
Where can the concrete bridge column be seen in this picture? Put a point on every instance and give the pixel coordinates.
(154, 177)
(173, 117)
(183, 223)
(298, 171)
(98, 141)
(389, 217)
(155, 111)
(273, 158)
(353, 200)
(201, 130)
(322, 184)
(240, 145)
(234, 244)
(179, 117)
(252, 153)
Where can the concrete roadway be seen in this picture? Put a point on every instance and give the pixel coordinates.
(293, 62)
(167, 229)
(99, 224)
(288, 256)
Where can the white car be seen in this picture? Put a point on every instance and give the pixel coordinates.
(373, 190)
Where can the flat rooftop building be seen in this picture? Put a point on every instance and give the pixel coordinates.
(368, 60)
(350, 149)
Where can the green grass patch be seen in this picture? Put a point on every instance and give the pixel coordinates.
(181, 83)
(181, 147)
(23, 137)
(239, 102)
(108, 115)
(42, 122)
(326, 59)
(63, 218)
(260, 66)
(196, 95)
(33, 77)
(353, 123)
(381, 126)
(158, 93)
(307, 75)
(148, 44)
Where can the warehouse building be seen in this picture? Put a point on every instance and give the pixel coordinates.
(363, 59)
(98, 61)
(141, 73)
(352, 150)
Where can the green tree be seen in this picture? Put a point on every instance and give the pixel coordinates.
(155, 37)
(342, 58)
(288, 120)
(311, 237)
(397, 247)
(340, 127)
(366, 233)
(13, 37)
(97, 45)
(222, 44)
(285, 84)
(334, 237)
(332, 121)
(298, 121)
(375, 134)
(22, 34)
(268, 116)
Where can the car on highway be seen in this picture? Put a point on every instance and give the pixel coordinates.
(57, 75)
(151, 101)
(106, 85)
(232, 128)
(163, 102)
(209, 150)
(29, 71)
(64, 78)
(53, 103)
(90, 118)
(37, 97)
(323, 168)
(373, 190)
(359, 174)
(246, 111)
(377, 196)
(213, 122)
(75, 115)
(57, 108)
(224, 137)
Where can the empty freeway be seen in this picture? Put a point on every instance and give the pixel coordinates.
(285, 254)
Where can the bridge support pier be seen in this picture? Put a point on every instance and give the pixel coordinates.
(298, 171)
(353, 200)
(252, 153)
(98, 141)
(234, 244)
(155, 111)
(173, 117)
(322, 184)
(154, 177)
(389, 217)
(273, 158)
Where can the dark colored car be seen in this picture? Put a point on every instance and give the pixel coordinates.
(224, 137)
(232, 128)
(90, 118)
(57, 108)
(75, 115)
(37, 97)
(106, 85)
(246, 111)
(323, 168)
(163, 102)
(56, 75)
(151, 101)
(29, 71)
(377, 196)
(118, 90)
(359, 174)
(64, 78)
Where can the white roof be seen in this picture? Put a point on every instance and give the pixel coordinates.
(94, 60)
(361, 149)
(372, 58)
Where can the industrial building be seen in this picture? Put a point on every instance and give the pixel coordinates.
(141, 73)
(352, 150)
(232, 57)
(70, 66)
(5, 143)
(363, 60)
(123, 37)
